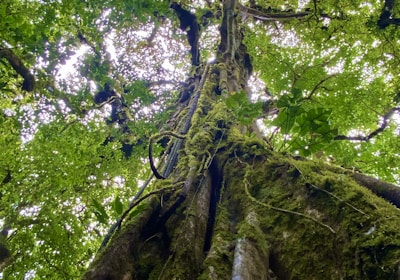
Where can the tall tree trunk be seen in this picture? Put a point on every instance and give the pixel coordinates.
(232, 209)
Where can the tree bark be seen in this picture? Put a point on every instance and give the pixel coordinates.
(17, 64)
(245, 212)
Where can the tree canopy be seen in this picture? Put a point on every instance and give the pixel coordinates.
(84, 85)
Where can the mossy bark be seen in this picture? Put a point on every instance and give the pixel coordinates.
(278, 226)
(364, 243)
(245, 212)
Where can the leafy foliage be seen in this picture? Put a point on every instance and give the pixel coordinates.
(244, 111)
(344, 66)
(308, 125)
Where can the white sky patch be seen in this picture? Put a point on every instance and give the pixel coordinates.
(289, 40)
(326, 21)
(256, 86)
(338, 68)
(70, 66)
(167, 65)
(370, 73)
(110, 45)
(302, 4)
(377, 153)
(356, 60)
(396, 120)
(63, 107)
(376, 43)
(8, 112)
(30, 274)
(329, 52)
(265, 130)
(32, 211)
(388, 56)
(119, 182)
(368, 5)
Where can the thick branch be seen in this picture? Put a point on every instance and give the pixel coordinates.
(384, 124)
(19, 67)
(188, 23)
(5, 253)
(271, 16)
(388, 191)
(386, 17)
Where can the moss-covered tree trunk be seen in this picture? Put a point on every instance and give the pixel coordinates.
(233, 209)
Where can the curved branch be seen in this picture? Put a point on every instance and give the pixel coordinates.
(133, 204)
(384, 124)
(271, 16)
(17, 64)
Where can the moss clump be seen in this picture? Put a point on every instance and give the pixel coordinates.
(366, 242)
(218, 263)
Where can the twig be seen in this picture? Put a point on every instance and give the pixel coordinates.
(384, 124)
(318, 85)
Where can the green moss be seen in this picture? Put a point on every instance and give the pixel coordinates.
(117, 256)
(218, 263)
(223, 76)
(366, 244)
(249, 228)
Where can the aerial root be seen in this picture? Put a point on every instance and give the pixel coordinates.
(152, 140)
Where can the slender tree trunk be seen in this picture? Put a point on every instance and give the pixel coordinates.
(233, 209)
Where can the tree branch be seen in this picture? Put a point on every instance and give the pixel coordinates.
(264, 16)
(188, 22)
(318, 85)
(386, 17)
(384, 124)
(17, 64)
(389, 192)
(153, 34)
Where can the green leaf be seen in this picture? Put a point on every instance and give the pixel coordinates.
(242, 108)
(118, 206)
(283, 101)
(296, 94)
(100, 212)
(236, 100)
(286, 118)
